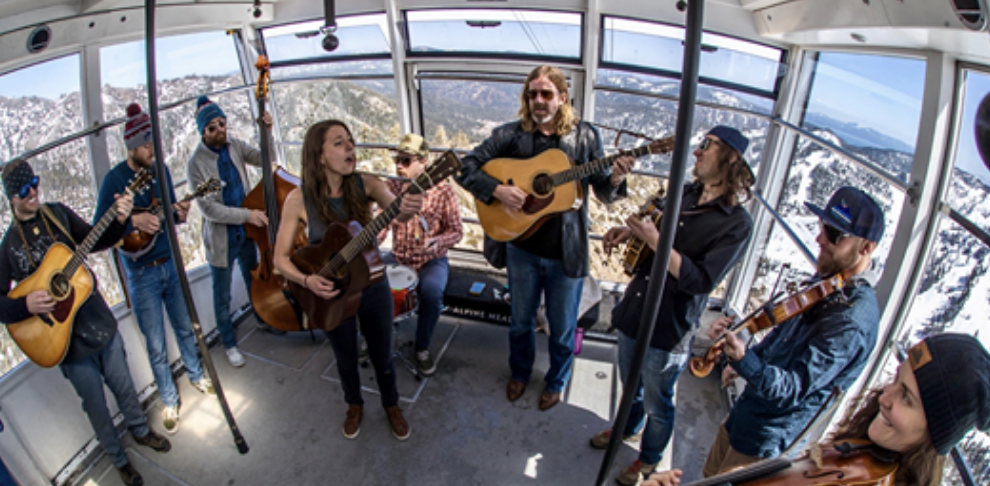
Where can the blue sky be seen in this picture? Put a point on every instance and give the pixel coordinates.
(123, 65)
(879, 92)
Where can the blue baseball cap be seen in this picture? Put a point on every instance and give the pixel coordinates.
(854, 212)
(731, 137)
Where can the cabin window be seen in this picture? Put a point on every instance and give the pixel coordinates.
(655, 48)
(187, 66)
(47, 106)
(495, 33)
(955, 288)
(358, 36)
(870, 106)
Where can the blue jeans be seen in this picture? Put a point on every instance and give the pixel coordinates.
(530, 277)
(246, 254)
(653, 403)
(432, 282)
(87, 377)
(151, 288)
(375, 313)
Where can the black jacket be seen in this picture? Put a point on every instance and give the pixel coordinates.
(582, 145)
(94, 324)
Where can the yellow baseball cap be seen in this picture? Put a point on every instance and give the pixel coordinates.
(414, 145)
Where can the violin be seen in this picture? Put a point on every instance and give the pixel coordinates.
(852, 462)
(766, 317)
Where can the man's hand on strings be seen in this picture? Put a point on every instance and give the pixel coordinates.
(40, 302)
(621, 168)
(615, 237)
(511, 196)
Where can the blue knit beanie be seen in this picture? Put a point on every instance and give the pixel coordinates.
(206, 111)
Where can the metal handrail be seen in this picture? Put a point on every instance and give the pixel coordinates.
(112, 123)
(787, 228)
(866, 164)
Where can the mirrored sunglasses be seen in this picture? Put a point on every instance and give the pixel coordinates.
(832, 234)
(23, 193)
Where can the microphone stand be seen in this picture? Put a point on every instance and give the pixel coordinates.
(173, 240)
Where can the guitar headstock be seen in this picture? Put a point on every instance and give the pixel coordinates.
(264, 72)
(140, 182)
(209, 187)
(447, 165)
(662, 146)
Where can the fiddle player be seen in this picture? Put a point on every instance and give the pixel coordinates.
(711, 236)
(794, 369)
(939, 394)
(224, 158)
(152, 278)
(96, 350)
(421, 243)
(332, 192)
(553, 262)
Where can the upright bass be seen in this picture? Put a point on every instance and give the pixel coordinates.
(271, 298)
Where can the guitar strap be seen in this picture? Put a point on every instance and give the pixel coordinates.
(47, 211)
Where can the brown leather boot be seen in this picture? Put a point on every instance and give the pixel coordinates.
(130, 476)
(352, 424)
(514, 389)
(400, 429)
(155, 441)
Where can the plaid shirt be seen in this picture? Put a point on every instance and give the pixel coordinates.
(440, 218)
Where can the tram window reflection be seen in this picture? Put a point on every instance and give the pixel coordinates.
(499, 32)
(970, 181)
(359, 35)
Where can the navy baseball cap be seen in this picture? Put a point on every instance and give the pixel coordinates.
(735, 139)
(854, 212)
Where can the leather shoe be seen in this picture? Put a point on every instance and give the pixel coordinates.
(130, 476)
(514, 389)
(155, 441)
(400, 428)
(548, 400)
(352, 425)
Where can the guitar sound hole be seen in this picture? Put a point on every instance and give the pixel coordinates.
(60, 286)
(543, 185)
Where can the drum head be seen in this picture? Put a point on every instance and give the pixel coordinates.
(401, 277)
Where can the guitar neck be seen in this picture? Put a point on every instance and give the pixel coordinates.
(595, 166)
(87, 244)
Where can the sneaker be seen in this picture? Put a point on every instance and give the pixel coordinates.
(400, 429)
(634, 473)
(235, 357)
(205, 386)
(352, 424)
(425, 363)
(600, 440)
(155, 441)
(170, 420)
(130, 476)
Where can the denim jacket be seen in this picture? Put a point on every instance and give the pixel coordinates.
(793, 370)
(582, 145)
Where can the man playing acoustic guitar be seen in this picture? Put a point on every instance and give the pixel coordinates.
(553, 260)
(152, 278)
(712, 233)
(96, 350)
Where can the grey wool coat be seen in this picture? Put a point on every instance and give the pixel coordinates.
(216, 216)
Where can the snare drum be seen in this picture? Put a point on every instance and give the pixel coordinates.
(403, 281)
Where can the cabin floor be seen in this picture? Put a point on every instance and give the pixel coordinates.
(288, 405)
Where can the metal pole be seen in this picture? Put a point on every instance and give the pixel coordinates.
(173, 240)
(685, 122)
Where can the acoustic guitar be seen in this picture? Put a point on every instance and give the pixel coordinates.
(637, 249)
(336, 257)
(552, 184)
(63, 273)
(137, 242)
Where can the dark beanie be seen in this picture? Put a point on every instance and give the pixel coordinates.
(206, 111)
(16, 175)
(953, 373)
(137, 130)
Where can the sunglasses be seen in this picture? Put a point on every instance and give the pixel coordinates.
(216, 126)
(707, 142)
(23, 193)
(832, 234)
(403, 160)
(546, 94)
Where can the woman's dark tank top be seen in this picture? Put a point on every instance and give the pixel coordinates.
(316, 228)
